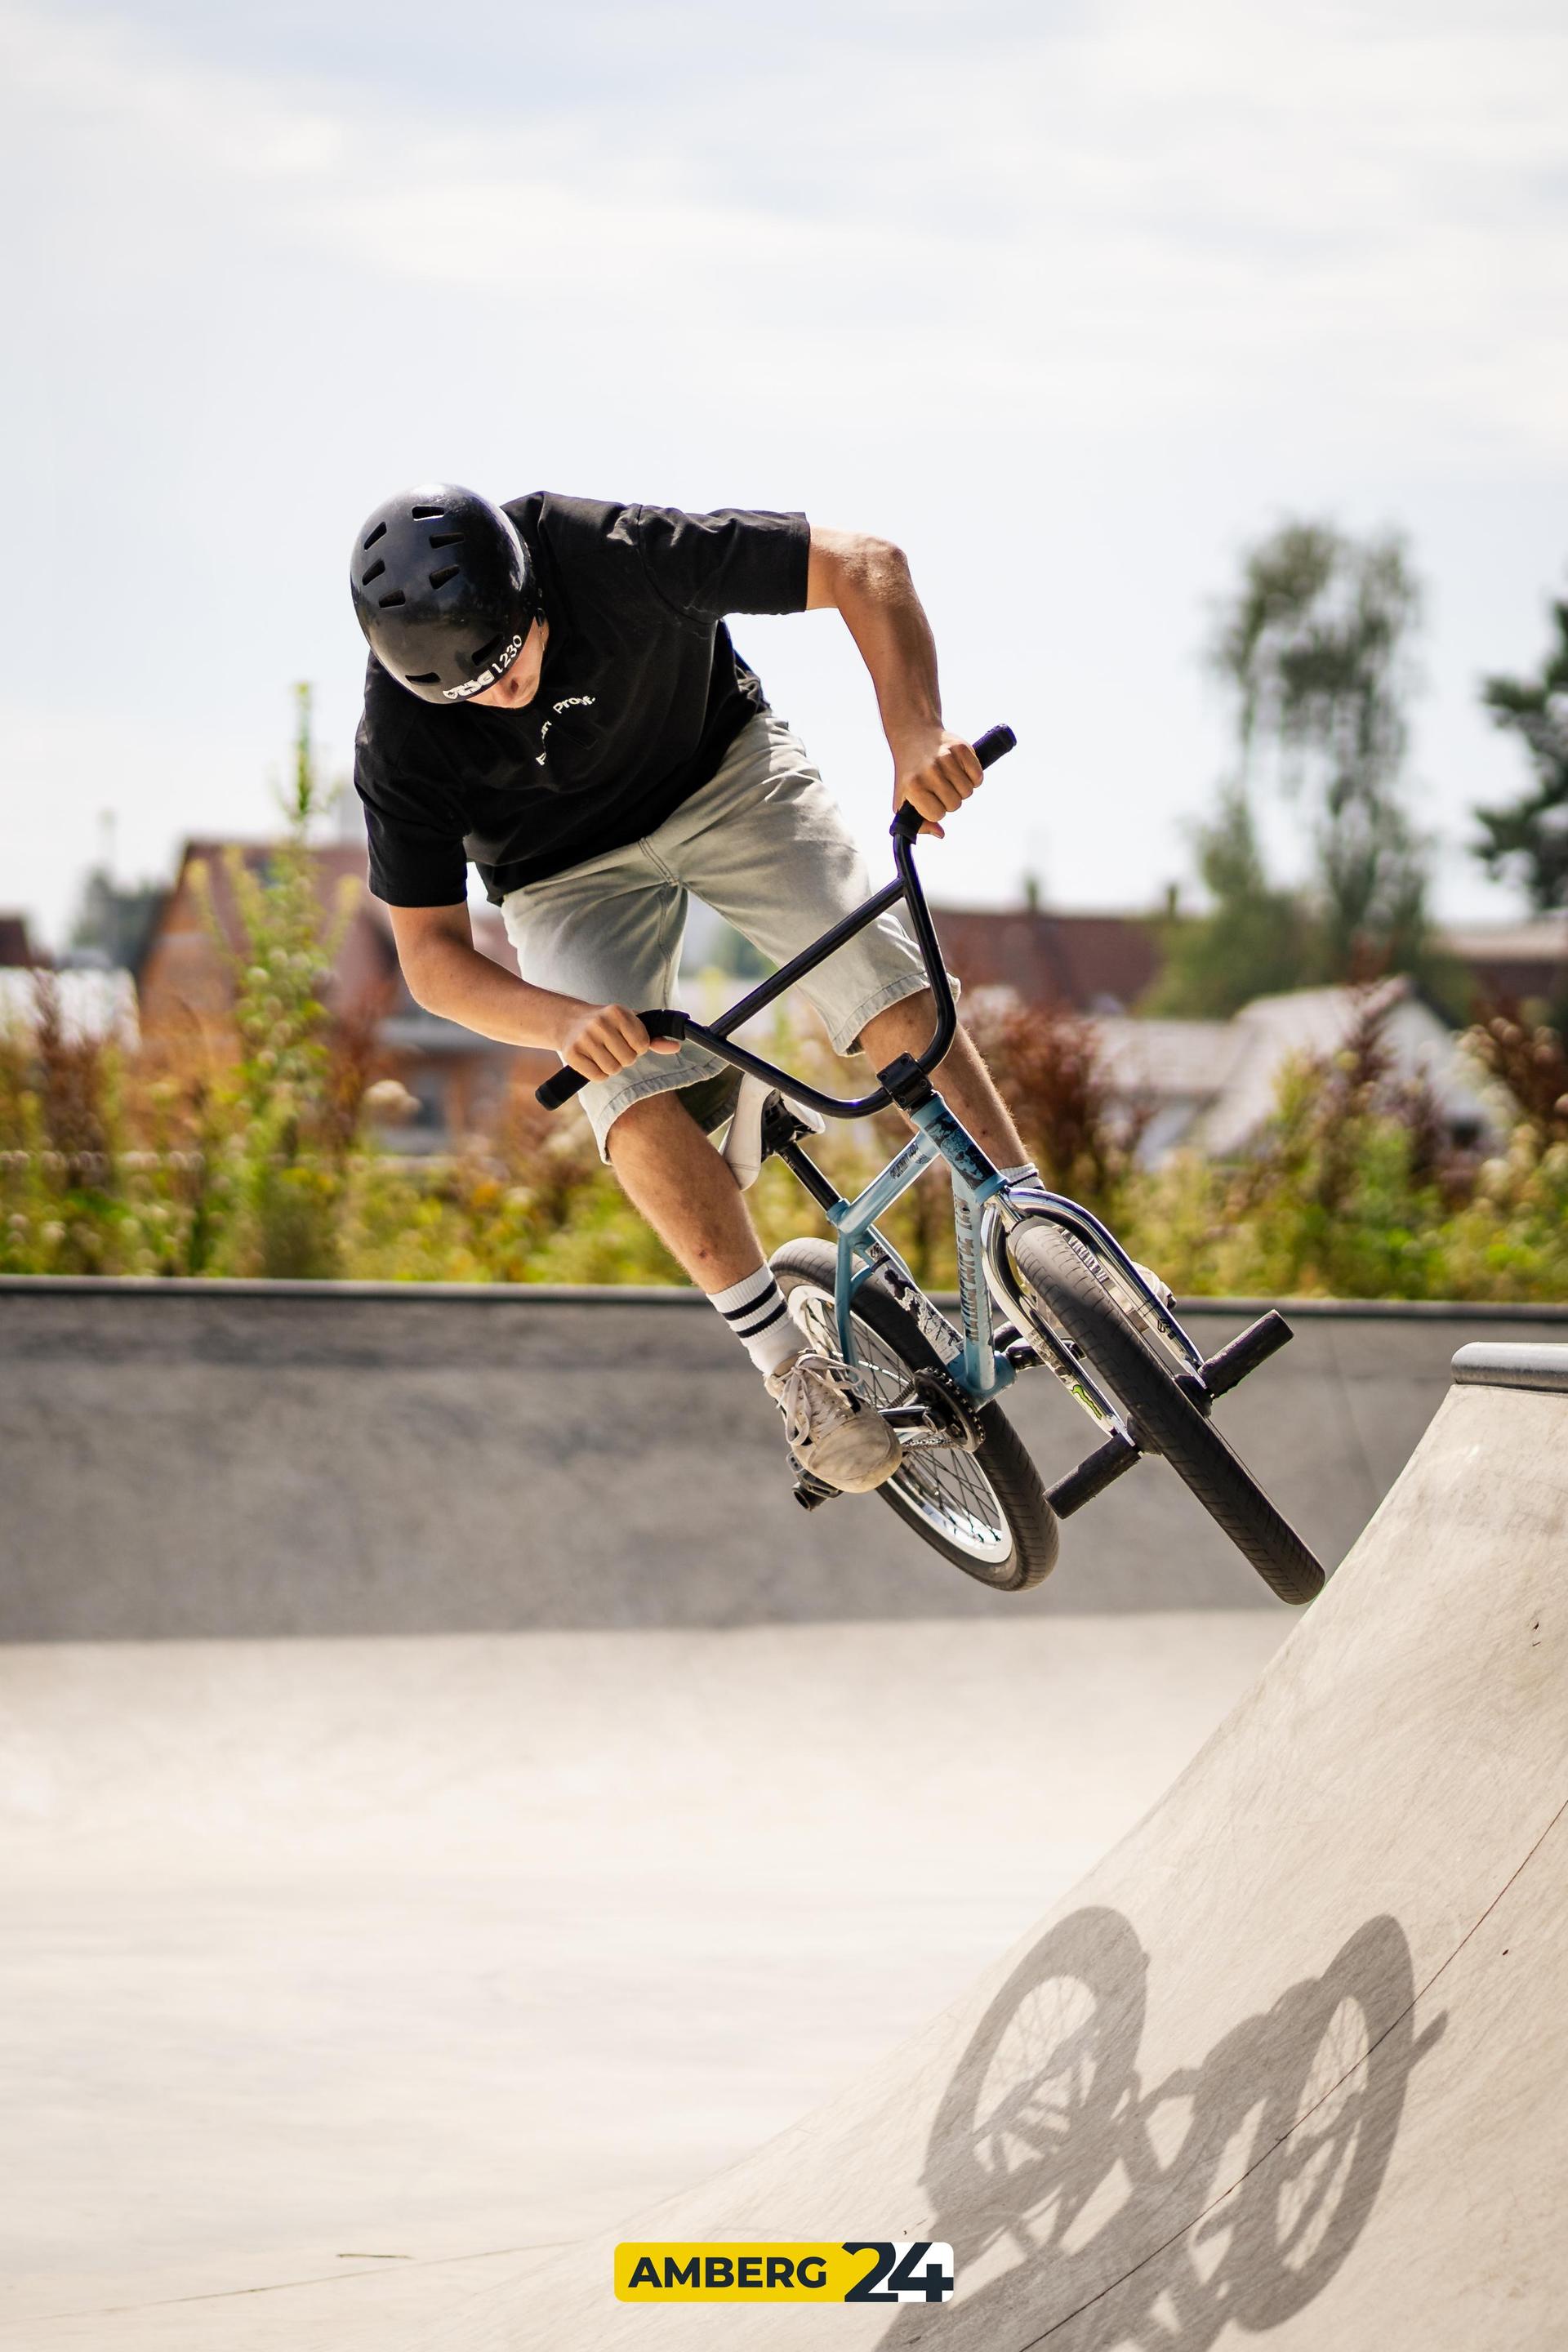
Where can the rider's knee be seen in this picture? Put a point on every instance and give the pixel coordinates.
(648, 1115)
(916, 1011)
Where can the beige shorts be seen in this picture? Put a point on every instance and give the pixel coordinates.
(765, 844)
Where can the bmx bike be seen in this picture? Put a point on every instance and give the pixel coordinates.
(1041, 1284)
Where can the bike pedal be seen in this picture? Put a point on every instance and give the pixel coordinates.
(812, 1493)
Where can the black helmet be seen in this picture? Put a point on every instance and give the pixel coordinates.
(444, 589)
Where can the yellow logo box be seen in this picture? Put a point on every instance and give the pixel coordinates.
(857, 2270)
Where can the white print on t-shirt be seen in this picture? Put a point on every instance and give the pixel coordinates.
(567, 702)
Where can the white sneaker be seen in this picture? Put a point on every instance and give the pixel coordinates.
(833, 1433)
(742, 1152)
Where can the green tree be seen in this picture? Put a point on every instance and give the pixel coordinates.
(1527, 840)
(299, 1121)
(1256, 940)
(1315, 644)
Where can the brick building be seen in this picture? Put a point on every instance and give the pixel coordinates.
(1089, 963)
(17, 952)
(456, 1078)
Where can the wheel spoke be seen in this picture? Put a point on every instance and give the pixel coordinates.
(947, 1487)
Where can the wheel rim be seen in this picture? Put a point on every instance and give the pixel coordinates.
(947, 1490)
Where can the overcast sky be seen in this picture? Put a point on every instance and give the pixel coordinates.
(1072, 297)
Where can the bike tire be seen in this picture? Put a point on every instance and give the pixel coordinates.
(1051, 1265)
(807, 1270)
(1333, 2097)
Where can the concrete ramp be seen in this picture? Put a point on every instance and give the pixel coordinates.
(1291, 2061)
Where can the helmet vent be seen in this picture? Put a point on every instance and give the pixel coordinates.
(426, 677)
(447, 571)
(444, 537)
(379, 532)
(486, 654)
(377, 569)
(429, 514)
(396, 597)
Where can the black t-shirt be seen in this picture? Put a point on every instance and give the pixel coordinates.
(641, 695)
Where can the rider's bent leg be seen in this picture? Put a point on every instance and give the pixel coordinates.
(969, 1090)
(670, 1172)
(966, 1085)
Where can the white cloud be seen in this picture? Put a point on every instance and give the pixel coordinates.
(1072, 308)
(1099, 228)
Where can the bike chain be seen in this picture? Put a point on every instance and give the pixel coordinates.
(934, 1384)
(938, 1389)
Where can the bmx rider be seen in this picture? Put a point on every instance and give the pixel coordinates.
(553, 696)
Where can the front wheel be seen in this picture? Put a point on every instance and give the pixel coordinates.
(1063, 1279)
(985, 1512)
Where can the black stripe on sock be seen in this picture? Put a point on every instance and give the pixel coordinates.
(750, 1306)
(750, 1330)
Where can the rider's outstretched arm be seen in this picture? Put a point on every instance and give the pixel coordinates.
(447, 974)
(869, 582)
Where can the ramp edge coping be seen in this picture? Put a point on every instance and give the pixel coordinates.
(1553, 1314)
(1497, 1364)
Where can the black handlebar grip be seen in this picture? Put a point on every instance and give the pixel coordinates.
(994, 745)
(569, 1082)
(559, 1089)
(988, 749)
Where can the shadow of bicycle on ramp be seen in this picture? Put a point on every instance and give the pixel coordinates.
(1088, 2213)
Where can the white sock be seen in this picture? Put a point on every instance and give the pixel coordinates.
(755, 1311)
(1025, 1172)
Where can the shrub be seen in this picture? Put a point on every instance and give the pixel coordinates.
(252, 1158)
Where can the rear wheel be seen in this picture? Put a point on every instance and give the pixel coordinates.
(986, 1512)
(1076, 1301)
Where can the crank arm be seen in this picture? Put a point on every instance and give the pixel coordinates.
(918, 1433)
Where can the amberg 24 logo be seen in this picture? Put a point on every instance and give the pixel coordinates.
(855, 2270)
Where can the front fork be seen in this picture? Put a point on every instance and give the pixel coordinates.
(985, 1212)
(1058, 1355)
(1112, 1268)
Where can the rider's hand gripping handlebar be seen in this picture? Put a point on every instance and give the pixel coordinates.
(988, 749)
(663, 1022)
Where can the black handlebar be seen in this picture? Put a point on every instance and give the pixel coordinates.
(566, 1083)
(663, 1022)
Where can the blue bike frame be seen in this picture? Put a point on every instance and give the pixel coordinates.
(985, 1207)
(976, 1363)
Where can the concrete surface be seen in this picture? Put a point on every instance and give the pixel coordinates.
(334, 1971)
(336, 1976)
(1291, 2060)
(206, 1460)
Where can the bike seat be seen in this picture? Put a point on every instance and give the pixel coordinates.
(743, 1152)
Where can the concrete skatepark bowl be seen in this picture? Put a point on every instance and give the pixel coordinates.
(337, 1967)
(1290, 2062)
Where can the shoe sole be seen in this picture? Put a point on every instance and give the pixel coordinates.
(862, 1484)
